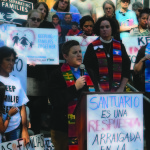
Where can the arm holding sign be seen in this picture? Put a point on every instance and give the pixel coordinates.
(140, 60)
(25, 134)
(3, 126)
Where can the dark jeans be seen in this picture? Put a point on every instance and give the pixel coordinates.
(14, 134)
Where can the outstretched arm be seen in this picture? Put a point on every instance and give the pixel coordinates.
(25, 134)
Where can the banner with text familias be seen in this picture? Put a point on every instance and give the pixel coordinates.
(37, 142)
(115, 122)
(133, 44)
(48, 145)
(40, 46)
(84, 42)
(14, 11)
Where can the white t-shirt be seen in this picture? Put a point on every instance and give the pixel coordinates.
(15, 96)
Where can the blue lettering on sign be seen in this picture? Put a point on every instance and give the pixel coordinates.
(113, 101)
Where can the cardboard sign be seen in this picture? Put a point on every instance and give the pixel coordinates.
(133, 44)
(15, 11)
(40, 46)
(12, 145)
(83, 42)
(115, 122)
(48, 144)
(36, 142)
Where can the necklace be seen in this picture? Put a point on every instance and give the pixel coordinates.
(107, 51)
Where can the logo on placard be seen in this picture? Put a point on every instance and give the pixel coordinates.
(23, 39)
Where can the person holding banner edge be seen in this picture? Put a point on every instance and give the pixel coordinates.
(15, 97)
(108, 58)
(65, 87)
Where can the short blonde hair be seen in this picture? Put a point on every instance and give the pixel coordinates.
(30, 13)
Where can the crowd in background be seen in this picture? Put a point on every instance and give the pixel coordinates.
(107, 70)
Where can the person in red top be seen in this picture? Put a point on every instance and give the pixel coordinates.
(74, 29)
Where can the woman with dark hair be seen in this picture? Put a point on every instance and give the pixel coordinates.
(109, 10)
(15, 96)
(43, 8)
(65, 87)
(107, 57)
(86, 25)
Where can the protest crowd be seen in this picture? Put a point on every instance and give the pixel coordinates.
(105, 66)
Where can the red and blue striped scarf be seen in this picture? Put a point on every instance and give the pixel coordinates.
(69, 78)
(103, 65)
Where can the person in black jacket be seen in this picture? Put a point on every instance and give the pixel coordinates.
(65, 87)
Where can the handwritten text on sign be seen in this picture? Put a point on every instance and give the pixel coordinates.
(133, 44)
(115, 122)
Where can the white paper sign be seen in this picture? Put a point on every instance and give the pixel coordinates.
(115, 122)
(133, 44)
(83, 42)
(48, 144)
(36, 142)
(12, 145)
(39, 45)
(20, 71)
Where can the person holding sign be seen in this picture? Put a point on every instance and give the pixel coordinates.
(141, 82)
(12, 111)
(65, 87)
(108, 58)
(15, 97)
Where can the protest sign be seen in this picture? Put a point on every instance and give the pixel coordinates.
(48, 144)
(115, 121)
(36, 142)
(15, 11)
(83, 42)
(20, 71)
(133, 44)
(40, 46)
(12, 145)
(3, 33)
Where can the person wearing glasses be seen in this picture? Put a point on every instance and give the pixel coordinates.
(126, 18)
(64, 6)
(35, 17)
(36, 75)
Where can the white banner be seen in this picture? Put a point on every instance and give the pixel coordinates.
(36, 142)
(84, 42)
(12, 145)
(115, 122)
(39, 45)
(20, 71)
(133, 44)
(48, 144)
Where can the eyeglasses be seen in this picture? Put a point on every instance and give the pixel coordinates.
(36, 19)
(64, 2)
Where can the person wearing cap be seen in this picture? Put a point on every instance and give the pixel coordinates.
(126, 18)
